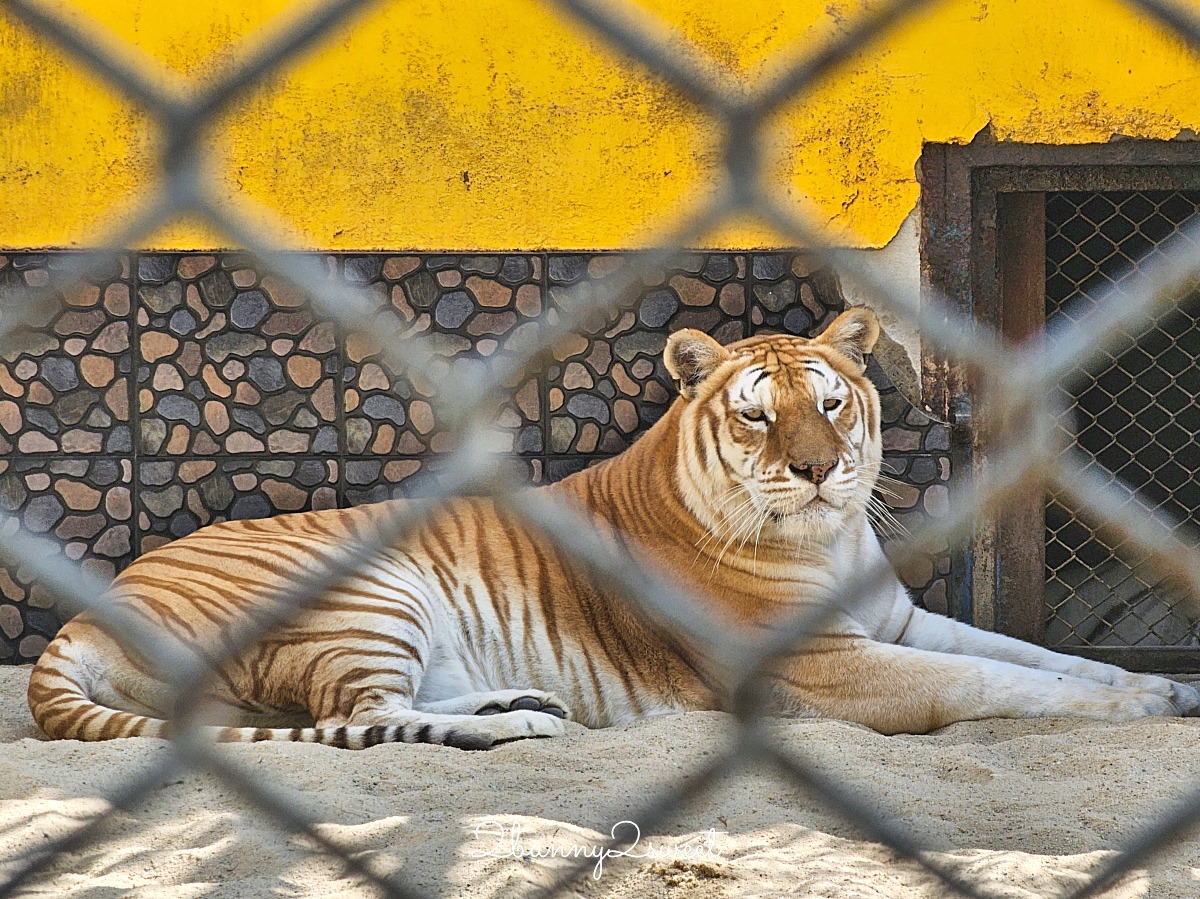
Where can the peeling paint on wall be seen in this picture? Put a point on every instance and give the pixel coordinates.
(898, 265)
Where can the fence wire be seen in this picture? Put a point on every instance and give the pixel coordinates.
(1131, 413)
(1021, 381)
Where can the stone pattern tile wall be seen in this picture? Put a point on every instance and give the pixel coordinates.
(64, 375)
(231, 363)
(178, 390)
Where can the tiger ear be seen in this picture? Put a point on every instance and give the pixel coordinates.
(692, 356)
(853, 334)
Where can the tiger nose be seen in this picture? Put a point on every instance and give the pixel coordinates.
(814, 472)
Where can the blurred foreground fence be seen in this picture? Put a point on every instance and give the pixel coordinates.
(1016, 396)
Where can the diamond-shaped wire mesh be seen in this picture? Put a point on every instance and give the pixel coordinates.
(1134, 413)
(1024, 377)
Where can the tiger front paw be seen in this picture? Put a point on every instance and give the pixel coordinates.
(1184, 697)
(524, 701)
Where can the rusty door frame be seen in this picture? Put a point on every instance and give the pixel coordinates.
(983, 249)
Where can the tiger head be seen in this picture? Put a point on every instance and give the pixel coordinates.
(779, 435)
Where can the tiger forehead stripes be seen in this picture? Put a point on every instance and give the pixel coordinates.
(752, 491)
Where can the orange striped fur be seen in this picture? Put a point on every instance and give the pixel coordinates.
(753, 490)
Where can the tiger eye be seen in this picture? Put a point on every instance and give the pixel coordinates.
(754, 415)
(830, 404)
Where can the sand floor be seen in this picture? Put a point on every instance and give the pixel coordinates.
(1028, 806)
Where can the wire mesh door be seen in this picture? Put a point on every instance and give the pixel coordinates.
(1134, 413)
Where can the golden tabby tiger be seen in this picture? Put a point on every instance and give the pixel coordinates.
(753, 488)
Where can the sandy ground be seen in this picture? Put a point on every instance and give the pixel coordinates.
(1029, 806)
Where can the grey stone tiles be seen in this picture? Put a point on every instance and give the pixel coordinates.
(83, 509)
(177, 497)
(65, 374)
(475, 309)
(231, 362)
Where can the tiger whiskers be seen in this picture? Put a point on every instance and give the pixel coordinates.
(886, 491)
(883, 484)
(718, 514)
(878, 511)
(743, 522)
(757, 534)
(764, 515)
(885, 519)
(723, 519)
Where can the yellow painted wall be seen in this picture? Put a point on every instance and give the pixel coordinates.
(495, 124)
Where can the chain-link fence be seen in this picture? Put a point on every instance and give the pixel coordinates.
(1019, 391)
(1133, 410)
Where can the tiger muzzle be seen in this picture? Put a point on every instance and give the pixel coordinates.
(810, 445)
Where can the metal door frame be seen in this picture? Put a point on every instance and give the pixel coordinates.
(983, 249)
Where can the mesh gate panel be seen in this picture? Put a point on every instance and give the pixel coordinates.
(1136, 418)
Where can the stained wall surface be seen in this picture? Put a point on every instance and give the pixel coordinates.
(497, 125)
